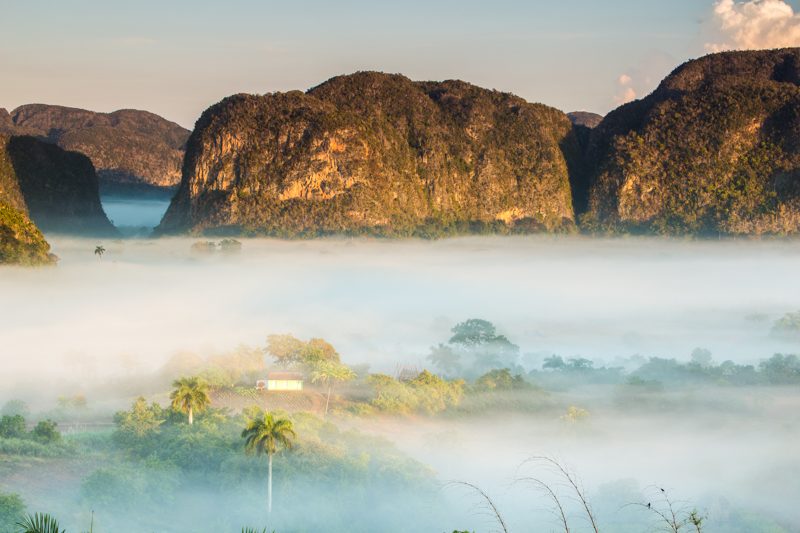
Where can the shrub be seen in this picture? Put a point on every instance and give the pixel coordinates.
(46, 432)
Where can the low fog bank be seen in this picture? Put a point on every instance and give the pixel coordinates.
(386, 303)
(727, 453)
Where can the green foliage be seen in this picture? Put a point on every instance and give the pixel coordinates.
(787, 326)
(265, 434)
(12, 511)
(32, 448)
(501, 380)
(40, 523)
(140, 422)
(190, 395)
(21, 242)
(781, 369)
(290, 351)
(128, 487)
(426, 393)
(46, 432)
(473, 349)
(12, 427)
(390, 157)
(711, 152)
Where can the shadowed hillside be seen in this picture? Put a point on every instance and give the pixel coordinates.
(21, 242)
(131, 149)
(59, 187)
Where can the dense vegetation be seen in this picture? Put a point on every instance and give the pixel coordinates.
(715, 149)
(21, 242)
(372, 153)
(201, 453)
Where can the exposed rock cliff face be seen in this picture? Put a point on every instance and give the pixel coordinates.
(128, 148)
(59, 188)
(380, 154)
(20, 240)
(716, 148)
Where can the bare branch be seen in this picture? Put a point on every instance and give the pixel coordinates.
(575, 487)
(553, 496)
(487, 499)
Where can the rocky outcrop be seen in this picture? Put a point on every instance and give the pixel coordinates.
(585, 119)
(715, 149)
(59, 188)
(21, 242)
(372, 153)
(128, 148)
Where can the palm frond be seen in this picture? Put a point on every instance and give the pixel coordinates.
(40, 523)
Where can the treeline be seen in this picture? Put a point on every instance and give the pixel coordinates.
(42, 440)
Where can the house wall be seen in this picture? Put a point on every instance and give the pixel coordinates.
(284, 384)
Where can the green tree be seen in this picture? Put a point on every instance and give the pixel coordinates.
(141, 420)
(12, 427)
(554, 362)
(190, 395)
(787, 326)
(446, 359)
(702, 357)
(501, 379)
(781, 369)
(46, 432)
(265, 434)
(12, 511)
(288, 350)
(479, 340)
(328, 373)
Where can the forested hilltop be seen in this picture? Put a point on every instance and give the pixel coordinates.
(374, 153)
(714, 150)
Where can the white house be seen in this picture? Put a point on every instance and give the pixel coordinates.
(281, 381)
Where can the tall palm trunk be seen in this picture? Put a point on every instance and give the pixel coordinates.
(328, 398)
(191, 417)
(269, 485)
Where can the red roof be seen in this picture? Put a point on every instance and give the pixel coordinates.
(290, 376)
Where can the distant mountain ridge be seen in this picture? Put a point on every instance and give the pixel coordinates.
(714, 150)
(585, 118)
(129, 148)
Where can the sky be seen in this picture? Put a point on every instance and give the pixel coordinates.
(176, 58)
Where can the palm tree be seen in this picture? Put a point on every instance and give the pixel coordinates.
(264, 434)
(190, 395)
(99, 251)
(329, 372)
(40, 523)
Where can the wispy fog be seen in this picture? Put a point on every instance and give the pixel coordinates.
(385, 303)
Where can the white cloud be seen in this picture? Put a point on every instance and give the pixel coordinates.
(625, 93)
(754, 24)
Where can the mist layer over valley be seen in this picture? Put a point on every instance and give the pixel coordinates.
(716, 426)
(385, 303)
